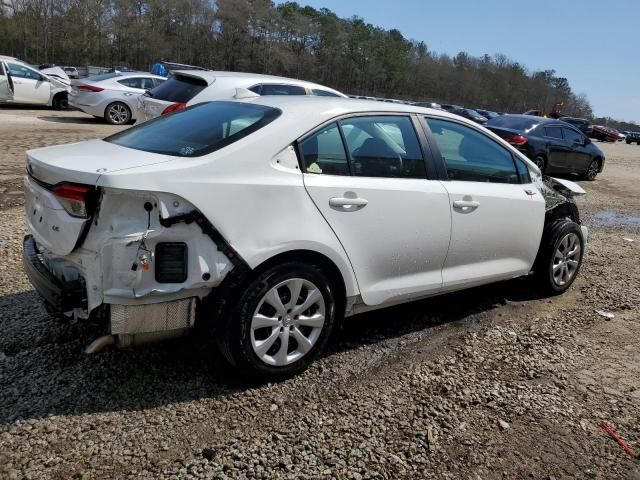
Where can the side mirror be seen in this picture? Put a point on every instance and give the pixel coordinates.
(587, 141)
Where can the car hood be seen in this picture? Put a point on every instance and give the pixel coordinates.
(57, 76)
(85, 162)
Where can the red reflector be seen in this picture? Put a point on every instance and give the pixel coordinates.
(516, 139)
(89, 88)
(174, 107)
(71, 192)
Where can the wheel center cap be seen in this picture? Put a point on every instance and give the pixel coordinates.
(286, 321)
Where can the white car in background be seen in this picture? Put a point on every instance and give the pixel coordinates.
(190, 87)
(112, 96)
(22, 84)
(267, 220)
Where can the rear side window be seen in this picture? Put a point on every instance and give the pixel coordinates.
(384, 146)
(516, 122)
(323, 93)
(268, 89)
(472, 156)
(553, 132)
(141, 83)
(178, 89)
(323, 152)
(197, 130)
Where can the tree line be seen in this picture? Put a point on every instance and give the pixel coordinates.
(285, 39)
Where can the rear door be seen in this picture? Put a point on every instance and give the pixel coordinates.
(497, 214)
(558, 148)
(6, 84)
(393, 222)
(29, 86)
(579, 158)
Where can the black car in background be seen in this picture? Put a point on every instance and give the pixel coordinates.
(554, 146)
(580, 123)
(633, 137)
(449, 108)
(487, 113)
(470, 114)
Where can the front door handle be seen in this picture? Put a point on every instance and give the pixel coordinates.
(466, 205)
(348, 203)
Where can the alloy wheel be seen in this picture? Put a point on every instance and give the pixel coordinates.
(287, 322)
(118, 114)
(593, 170)
(566, 259)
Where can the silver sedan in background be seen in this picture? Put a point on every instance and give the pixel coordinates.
(112, 96)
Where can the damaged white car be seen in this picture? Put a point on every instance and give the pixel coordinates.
(268, 220)
(22, 84)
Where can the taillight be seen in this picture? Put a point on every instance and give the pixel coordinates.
(89, 88)
(516, 140)
(75, 199)
(174, 107)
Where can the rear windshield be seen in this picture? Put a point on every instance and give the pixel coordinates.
(197, 130)
(515, 122)
(178, 89)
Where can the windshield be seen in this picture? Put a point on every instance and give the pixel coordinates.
(197, 130)
(515, 122)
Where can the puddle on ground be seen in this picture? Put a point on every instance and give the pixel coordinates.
(608, 218)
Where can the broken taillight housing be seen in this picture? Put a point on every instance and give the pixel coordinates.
(174, 107)
(517, 140)
(77, 200)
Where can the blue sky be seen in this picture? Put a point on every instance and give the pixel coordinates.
(594, 43)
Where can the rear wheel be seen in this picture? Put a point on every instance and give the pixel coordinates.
(560, 257)
(592, 170)
(117, 113)
(540, 162)
(281, 322)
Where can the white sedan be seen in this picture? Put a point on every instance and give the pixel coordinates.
(268, 220)
(22, 84)
(112, 96)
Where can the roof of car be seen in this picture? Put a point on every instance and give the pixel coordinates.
(210, 76)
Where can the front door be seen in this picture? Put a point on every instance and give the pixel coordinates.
(29, 86)
(497, 213)
(393, 223)
(580, 157)
(6, 84)
(559, 150)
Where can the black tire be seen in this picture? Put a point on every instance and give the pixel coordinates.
(638, 143)
(592, 170)
(544, 266)
(628, 141)
(234, 337)
(540, 162)
(117, 113)
(60, 101)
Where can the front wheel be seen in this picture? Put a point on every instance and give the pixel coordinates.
(117, 113)
(281, 322)
(60, 101)
(560, 257)
(540, 163)
(592, 170)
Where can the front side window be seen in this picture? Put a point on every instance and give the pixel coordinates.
(282, 90)
(23, 72)
(323, 152)
(383, 146)
(573, 136)
(197, 130)
(553, 132)
(472, 156)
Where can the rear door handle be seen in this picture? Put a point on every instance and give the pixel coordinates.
(348, 203)
(466, 205)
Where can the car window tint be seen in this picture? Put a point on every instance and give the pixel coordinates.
(323, 152)
(178, 88)
(197, 130)
(157, 81)
(553, 132)
(383, 146)
(268, 89)
(23, 72)
(323, 93)
(572, 136)
(256, 89)
(472, 156)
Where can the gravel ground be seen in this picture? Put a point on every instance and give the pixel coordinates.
(495, 382)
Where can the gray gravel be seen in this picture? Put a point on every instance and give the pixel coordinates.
(490, 383)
